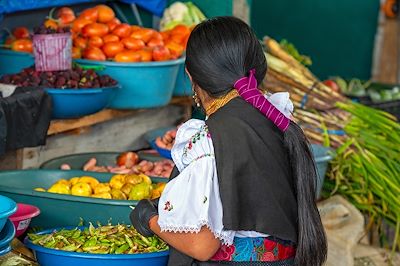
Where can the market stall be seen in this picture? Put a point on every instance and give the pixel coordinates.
(89, 110)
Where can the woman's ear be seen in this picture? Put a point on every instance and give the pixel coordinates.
(190, 77)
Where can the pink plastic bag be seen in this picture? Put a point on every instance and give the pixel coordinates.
(52, 51)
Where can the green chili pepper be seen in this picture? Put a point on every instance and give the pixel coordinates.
(122, 249)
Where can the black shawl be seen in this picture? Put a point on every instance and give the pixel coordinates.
(254, 174)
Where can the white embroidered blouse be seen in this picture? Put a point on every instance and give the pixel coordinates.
(192, 199)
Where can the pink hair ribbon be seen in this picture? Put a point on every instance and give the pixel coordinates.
(247, 89)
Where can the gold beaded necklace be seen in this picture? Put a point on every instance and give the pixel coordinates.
(219, 102)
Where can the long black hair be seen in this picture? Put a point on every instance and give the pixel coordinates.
(220, 51)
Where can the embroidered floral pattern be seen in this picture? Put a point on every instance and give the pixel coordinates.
(203, 132)
(168, 206)
(205, 200)
(254, 249)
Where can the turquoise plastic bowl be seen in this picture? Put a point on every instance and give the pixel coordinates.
(7, 207)
(51, 257)
(143, 85)
(183, 86)
(13, 62)
(73, 103)
(6, 236)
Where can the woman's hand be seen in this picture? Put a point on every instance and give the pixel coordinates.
(200, 246)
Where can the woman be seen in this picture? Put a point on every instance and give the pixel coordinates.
(244, 189)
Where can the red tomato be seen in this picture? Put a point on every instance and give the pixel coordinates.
(95, 41)
(20, 33)
(161, 53)
(178, 38)
(22, 45)
(110, 38)
(79, 23)
(332, 84)
(110, 49)
(90, 14)
(113, 23)
(155, 42)
(65, 10)
(127, 56)
(123, 30)
(165, 35)
(180, 29)
(146, 54)
(132, 44)
(80, 42)
(66, 19)
(143, 34)
(175, 49)
(105, 13)
(95, 29)
(94, 53)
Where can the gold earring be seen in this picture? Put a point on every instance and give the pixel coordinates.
(196, 98)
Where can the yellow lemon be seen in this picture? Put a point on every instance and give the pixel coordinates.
(63, 181)
(117, 181)
(59, 188)
(81, 189)
(74, 180)
(102, 188)
(40, 189)
(118, 194)
(93, 182)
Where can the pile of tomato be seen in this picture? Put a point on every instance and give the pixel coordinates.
(98, 35)
(19, 40)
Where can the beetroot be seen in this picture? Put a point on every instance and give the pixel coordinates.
(74, 79)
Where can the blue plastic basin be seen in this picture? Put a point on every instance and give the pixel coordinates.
(51, 257)
(322, 156)
(73, 103)
(143, 85)
(6, 236)
(13, 62)
(183, 86)
(7, 208)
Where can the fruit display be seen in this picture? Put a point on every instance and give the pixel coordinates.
(107, 239)
(129, 163)
(19, 40)
(71, 79)
(99, 35)
(166, 141)
(119, 187)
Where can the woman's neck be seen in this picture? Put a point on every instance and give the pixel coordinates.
(217, 103)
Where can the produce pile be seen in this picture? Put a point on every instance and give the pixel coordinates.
(376, 92)
(366, 169)
(19, 40)
(72, 79)
(180, 13)
(107, 239)
(129, 163)
(98, 35)
(120, 187)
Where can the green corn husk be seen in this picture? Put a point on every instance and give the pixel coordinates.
(366, 169)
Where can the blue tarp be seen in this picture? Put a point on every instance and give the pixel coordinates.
(9, 6)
